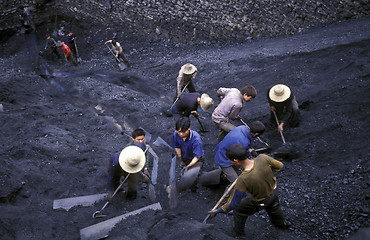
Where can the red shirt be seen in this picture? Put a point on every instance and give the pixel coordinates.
(66, 49)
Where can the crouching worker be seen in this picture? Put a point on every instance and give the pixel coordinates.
(131, 160)
(189, 149)
(259, 181)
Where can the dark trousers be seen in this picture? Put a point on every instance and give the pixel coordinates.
(114, 175)
(248, 207)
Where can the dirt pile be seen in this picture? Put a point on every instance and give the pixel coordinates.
(55, 142)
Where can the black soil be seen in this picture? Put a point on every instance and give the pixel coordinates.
(55, 144)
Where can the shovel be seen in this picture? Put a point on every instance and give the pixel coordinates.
(121, 65)
(171, 189)
(221, 199)
(96, 213)
(189, 177)
(281, 133)
(179, 96)
(259, 139)
(78, 55)
(201, 125)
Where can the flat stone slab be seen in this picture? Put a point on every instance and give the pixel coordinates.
(68, 203)
(102, 229)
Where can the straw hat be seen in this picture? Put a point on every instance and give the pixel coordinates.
(188, 69)
(59, 43)
(279, 93)
(206, 102)
(132, 159)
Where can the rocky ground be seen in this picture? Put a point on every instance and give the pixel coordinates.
(55, 143)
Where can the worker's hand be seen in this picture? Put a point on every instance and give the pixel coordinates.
(184, 170)
(214, 212)
(195, 113)
(272, 108)
(253, 152)
(281, 127)
(182, 164)
(109, 196)
(146, 172)
(238, 118)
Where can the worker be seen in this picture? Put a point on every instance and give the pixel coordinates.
(239, 135)
(188, 146)
(51, 44)
(118, 51)
(283, 103)
(185, 79)
(116, 170)
(189, 103)
(70, 40)
(232, 102)
(67, 52)
(259, 181)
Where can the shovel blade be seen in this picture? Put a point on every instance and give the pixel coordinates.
(188, 179)
(122, 66)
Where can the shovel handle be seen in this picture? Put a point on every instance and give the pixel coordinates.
(106, 204)
(221, 199)
(259, 139)
(180, 95)
(277, 122)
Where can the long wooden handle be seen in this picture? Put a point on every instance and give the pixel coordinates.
(277, 122)
(221, 199)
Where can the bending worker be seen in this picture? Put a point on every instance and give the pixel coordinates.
(116, 169)
(283, 103)
(259, 181)
(189, 103)
(118, 51)
(232, 102)
(239, 135)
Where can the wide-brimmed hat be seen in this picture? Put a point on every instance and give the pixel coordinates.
(206, 102)
(279, 93)
(59, 44)
(188, 69)
(132, 159)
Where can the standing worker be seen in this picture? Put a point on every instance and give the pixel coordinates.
(230, 106)
(240, 135)
(259, 181)
(116, 169)
(185, 79)
(51, 43)
(70, 39)
(67, 52)
(188, 145)
(283, 103)
(118, 51)
(189, 103)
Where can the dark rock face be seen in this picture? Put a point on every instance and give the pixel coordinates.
(189, 21)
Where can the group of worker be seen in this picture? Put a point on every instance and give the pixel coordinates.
(255, 186)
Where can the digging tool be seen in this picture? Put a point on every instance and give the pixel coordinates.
(221, 199)
(201, 125)
(189, 177)
(95, 214)
(78, 55)
(171, 189)
(179, 96)
(121, 65)
(102, 229)
(259, 139)
(281, 133)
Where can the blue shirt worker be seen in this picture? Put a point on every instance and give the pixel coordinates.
(240, 135)
(187, 144)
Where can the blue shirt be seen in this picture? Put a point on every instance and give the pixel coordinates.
(192, 147)
(239, 135)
